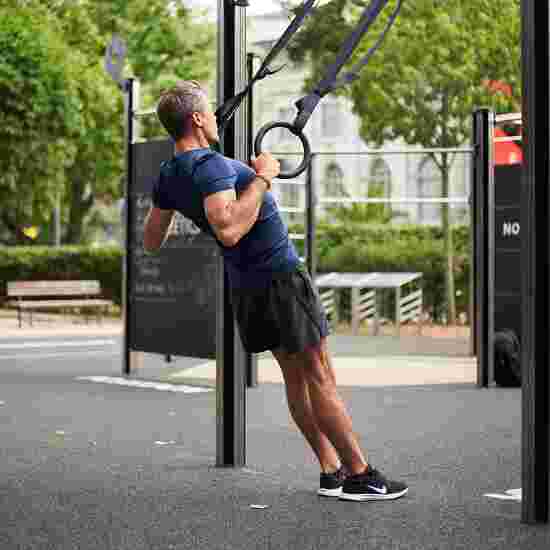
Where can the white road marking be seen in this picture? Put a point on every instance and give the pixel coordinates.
(159, 386)
(58, 344)
(67, 354)
(511, 494)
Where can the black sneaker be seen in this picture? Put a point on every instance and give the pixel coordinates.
(331, 484)
(371, 485)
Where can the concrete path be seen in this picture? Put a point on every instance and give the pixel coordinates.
(365, 371)
(357, 360)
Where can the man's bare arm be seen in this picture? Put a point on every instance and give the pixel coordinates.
(157, 227)
(230, 217)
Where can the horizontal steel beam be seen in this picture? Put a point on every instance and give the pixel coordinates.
(142, 114)
(507, 139)
(508, 117)
(464, 150)
(411, 200)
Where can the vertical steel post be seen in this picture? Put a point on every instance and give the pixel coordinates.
(250, 105)
(483, 250)
(535, 260)
(128, 217)
(311, 205)
(231, 358)
(251, 359)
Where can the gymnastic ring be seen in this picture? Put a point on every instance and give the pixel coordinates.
(298, 133)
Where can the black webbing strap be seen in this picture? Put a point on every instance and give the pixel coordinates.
(226, 111)
(330, 81)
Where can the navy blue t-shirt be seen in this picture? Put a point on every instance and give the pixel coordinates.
(189, 177)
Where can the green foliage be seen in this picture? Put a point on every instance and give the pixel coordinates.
(431, 71)
(61, 116)
(39, 263)
(40, 113)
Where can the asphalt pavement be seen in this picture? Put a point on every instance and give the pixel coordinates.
(90, 464)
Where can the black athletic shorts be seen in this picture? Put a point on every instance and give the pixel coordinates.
(286, 315)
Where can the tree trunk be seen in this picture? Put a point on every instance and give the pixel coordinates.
(79, 205)
(449, 245)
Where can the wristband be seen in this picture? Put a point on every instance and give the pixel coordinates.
(266, 180)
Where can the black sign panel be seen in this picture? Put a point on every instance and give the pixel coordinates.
(507, 228)
(508, 313)
(172, 296)
(507, 185)
(507, 272)
(508, 248)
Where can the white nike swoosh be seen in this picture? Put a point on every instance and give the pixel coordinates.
(381, 491)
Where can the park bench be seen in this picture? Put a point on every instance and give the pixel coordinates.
(34, 295)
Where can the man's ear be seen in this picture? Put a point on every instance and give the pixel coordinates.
(197, 119)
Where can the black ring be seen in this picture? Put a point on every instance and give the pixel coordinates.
(298, 133)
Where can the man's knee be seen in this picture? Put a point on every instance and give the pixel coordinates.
(316, 365)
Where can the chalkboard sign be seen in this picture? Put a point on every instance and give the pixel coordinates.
(508, 266)
(172, 296)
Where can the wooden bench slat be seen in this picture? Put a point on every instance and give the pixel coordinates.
(52, 288)
(36, 304)
(75, 293)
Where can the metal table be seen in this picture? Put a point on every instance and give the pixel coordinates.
(363, 304)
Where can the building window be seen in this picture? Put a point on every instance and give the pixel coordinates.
(380, 177)
(334, 181)
(429, 186)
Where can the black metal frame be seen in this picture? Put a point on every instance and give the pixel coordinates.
(535, 253)
(129, 95)
(232, 363)
(483, 206)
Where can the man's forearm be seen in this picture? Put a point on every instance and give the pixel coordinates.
(154, 239)
(244, 212)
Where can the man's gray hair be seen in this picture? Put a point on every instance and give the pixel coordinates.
(177, 104)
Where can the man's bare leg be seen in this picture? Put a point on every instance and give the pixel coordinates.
(328, 408)
(319, 411)
(301, 411)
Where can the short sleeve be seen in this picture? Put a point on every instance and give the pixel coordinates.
(214, 174)
(158, 197)
(155, 195)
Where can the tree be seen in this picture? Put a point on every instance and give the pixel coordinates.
(430, 73)
(165, 41)
(39, 115)
(165, 44)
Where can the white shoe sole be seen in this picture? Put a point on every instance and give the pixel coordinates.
(363, 497)
(330, 492)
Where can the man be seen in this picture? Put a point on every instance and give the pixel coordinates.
(275, 303)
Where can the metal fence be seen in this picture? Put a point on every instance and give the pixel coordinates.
(390, 187)
(410, 183)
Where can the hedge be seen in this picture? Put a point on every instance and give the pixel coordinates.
(34, 263)
(355, 248)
